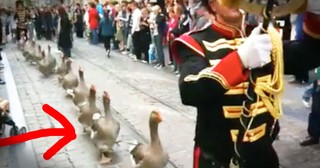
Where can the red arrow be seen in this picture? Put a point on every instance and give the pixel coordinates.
(68, 133)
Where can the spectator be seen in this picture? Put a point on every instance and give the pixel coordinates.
(78, 15)
(314, 116)
(94, 23)
(123, 17)
(145, 36)
(22, 20)
(107, 31)
(3, 18)
(159, 26)
(1, 67)
(1, 31)
(181, 27)
(135, 31)
(64, 40)
(172, 23)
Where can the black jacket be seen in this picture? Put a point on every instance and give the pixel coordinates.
(65, 33)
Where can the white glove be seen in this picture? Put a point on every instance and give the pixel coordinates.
(255, 51)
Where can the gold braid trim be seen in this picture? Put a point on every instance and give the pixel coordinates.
(270, 92)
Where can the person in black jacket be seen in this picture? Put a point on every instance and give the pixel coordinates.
(145, 36)
(64, 39)
(183, 24)
(79, 25)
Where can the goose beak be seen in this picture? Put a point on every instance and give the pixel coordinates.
(159, 118)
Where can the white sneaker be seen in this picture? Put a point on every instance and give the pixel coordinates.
(143, 61)
(306, 104)
(132, 56)
(124, 52)
(135, 59)
(160, 67)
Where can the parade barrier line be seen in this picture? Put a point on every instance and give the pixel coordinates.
(23, 155)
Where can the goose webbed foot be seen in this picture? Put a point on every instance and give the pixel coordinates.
(105, 158)
(118, 142)
(70, 93)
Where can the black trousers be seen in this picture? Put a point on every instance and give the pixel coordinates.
(314, 116)
(270, 160)
(137, 44)
(79, 30)
(1, 35)
(201, 161)
(145, 40)
(18, 35)
(106, 42)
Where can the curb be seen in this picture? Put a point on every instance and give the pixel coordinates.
(17, 115)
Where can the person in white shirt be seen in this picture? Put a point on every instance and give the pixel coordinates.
(135, 30)
(158, 32)
(86, 21)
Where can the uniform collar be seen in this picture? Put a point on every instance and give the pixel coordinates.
(226, 30)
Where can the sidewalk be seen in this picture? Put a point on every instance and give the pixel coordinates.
(35, 91)
(134, 96)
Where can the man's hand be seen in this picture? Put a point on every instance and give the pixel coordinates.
(255, 51)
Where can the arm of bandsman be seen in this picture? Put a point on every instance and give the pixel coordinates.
(202, 84)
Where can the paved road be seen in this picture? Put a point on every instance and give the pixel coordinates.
(136, 89)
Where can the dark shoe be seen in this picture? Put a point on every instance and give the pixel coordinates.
(2, 82)
(1, 66)
(309, 141)
(299, 82)
(296, 81)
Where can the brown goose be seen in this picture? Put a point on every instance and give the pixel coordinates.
(44, 66)
(26, 48)
(70, 80)
(22, 41)
(105, 131)
(62, 70)
(38, 56)
(81, 92)
(152, 155)
(88, 109)
(31, 51)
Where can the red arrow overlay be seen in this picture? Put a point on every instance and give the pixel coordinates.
(68, 133)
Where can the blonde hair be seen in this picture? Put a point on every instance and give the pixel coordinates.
(145, 10)
(178, 9)
(156, 9)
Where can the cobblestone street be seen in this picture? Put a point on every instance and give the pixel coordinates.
(135, 90)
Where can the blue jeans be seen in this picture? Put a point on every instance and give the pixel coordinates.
(95, 37)
(157, 39)
(307, 94)
(314, 116)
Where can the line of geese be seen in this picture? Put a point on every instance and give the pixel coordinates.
(102, 127)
